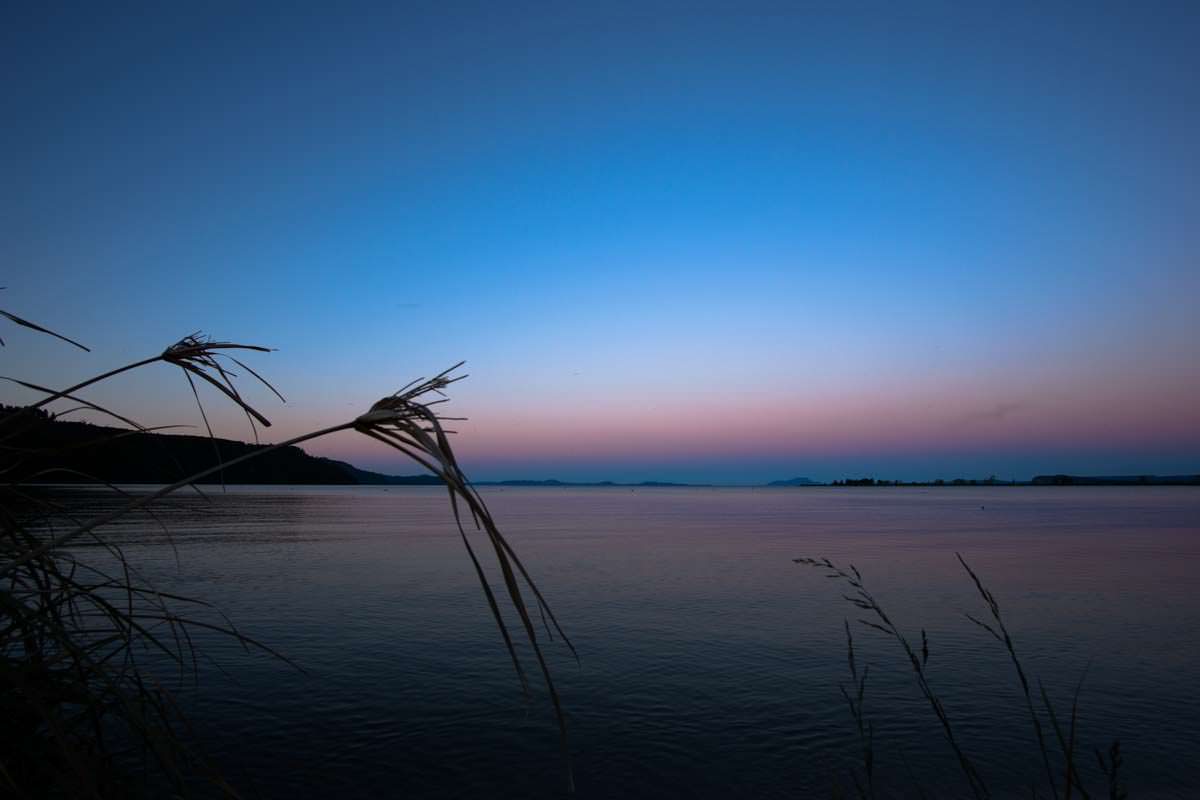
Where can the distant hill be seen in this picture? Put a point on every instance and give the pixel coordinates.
(51, 451)
(796, 482)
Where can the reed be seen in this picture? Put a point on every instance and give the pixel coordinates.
(918, 660)
(1061, 768)
(24, 323)
(866, 731)
(73, 683)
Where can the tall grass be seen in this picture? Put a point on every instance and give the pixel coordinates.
(1061, 767)
(74, 688)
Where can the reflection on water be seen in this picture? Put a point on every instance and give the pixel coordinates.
(710, 662)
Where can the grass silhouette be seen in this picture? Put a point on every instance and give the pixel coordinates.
(74, 689)
(1061, 767)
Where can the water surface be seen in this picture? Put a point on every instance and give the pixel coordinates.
(709, 661)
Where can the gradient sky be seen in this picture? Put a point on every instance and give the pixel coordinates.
(691, 242)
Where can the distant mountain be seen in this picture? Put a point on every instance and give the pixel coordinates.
(796, 482)
(45, 450)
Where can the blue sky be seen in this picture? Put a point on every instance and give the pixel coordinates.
(706, 241)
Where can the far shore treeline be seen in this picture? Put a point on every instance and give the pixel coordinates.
(1040, 480)
(87, 453)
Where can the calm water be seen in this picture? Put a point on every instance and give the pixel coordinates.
(710, 662)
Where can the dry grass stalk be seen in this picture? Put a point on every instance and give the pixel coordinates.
(1071, 780)
(865, 601)
(34, 326)
(1000, 634)
(866, 731)
(409, 425)
(77, 629)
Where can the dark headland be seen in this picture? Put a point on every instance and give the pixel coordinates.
(57, 451)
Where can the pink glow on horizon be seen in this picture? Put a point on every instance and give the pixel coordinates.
(761, 427)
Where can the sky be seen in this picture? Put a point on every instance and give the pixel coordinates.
(699, 242)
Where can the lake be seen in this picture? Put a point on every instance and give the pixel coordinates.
(709, 662)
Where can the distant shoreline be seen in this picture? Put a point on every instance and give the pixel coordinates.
(57, 451)
(871, 483)
(433, 482)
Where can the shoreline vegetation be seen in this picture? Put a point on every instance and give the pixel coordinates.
(1040, 480)
(82, 452)
(76, 624)
(1065, 765)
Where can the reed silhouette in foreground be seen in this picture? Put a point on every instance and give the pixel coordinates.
(75, 692)
(1061, 766)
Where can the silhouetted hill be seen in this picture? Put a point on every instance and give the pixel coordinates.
(51, 451)
(796, 482)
